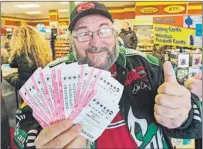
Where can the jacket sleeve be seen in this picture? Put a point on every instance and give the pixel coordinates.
(14, 80)
(192, 127)
(27, 128)
(135, 40)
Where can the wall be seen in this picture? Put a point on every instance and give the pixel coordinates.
(14, 22)
(121, 14)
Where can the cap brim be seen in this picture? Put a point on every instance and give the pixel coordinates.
(88, 12)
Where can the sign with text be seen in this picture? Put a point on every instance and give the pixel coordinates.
(174, 9)
(172, 31)
(161, 9)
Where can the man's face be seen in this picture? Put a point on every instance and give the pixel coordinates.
(125, 26)
(97, 52)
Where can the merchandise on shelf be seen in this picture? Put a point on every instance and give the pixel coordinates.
(62, 47)
(183, 143)
(183, 60)
(196, 60)
(186, 63)
(145, 40)
(182, 75)
(63, 28)
(193, 71)
(174, 57)
(6, 69)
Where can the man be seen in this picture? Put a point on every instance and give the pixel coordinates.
(151, 110)
(129, 36)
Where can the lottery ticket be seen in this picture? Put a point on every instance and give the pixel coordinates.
(86, 95)
(95, 117)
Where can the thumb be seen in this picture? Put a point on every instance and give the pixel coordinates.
(199, 75)
(169, 74)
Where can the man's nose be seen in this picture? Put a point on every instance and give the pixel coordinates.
(96, 41)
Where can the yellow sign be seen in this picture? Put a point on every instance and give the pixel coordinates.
(173, 35)
(149, 10)
(174, 9)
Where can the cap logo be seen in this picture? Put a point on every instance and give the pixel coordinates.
(85, 6)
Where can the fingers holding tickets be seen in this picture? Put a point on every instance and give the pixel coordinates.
(52, 131)
(65, 138)
(78, 142)
(172, 103)
(53, 136)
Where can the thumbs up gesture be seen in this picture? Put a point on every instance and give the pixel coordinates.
(194, 84)
(172, 103)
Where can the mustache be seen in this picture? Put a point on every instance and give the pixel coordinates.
(96, 49)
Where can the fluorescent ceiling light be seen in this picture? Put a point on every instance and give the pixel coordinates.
(33, 12)
(64, 2)
(28, 6)
(77, 3)
(63, 10)
(68, 2)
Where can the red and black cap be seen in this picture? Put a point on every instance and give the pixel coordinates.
(87, 8)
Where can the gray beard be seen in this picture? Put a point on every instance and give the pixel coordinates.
(109, 61)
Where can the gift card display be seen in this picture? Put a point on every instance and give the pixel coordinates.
(196, 60)
(174, 57)
(182, 75)
(183, 60)
(193, 71)
(86, 95)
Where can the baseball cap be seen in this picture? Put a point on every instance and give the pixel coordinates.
(87, 8)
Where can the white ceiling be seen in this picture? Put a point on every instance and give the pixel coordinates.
(9, 8)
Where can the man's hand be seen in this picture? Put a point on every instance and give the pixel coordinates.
(172, 103)
(194, 84)
(61, 135)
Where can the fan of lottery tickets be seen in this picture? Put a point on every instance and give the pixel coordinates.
(87, 95)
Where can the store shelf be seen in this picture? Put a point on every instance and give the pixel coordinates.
(145, 45)
(62, 47)
(145, 37)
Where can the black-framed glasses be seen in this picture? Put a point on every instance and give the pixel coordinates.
(87, 36)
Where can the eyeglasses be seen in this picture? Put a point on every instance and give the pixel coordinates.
(87, 36)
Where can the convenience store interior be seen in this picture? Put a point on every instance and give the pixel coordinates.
(143, 17)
